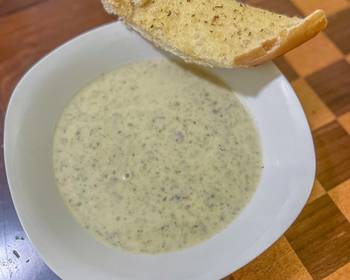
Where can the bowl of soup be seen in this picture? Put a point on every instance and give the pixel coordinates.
(126, 163)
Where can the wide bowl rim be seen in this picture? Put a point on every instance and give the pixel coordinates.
(265, 241)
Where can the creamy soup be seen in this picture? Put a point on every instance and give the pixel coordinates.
(155, 157)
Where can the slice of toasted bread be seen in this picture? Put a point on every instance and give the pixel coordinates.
(220, 33)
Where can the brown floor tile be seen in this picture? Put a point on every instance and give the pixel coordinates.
(348, 58)
(329, 6)
(321, 238)
(341, 197)
(338, 30)
(332, 84)
(28, 38)
(281, 6)
(342, 273)
(316, 111)
(278, 262)
(333, 155)
(344, 120)
(11, 6)
(314, 55)
(285, 68)
(317, 191)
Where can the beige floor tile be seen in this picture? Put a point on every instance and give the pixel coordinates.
(329, 6)
(314, 55)
(341, 197)
(278, 262)
(344, 120)
(342, 273)
(348, 58)
(317, 191)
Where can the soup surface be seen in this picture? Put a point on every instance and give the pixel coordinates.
(155, 157)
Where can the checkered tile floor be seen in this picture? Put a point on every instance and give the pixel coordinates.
(317, 246)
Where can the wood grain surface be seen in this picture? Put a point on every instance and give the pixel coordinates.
(317, 245)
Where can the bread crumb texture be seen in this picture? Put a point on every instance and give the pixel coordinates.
(214, 31)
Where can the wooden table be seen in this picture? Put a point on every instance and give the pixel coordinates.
(317, 246)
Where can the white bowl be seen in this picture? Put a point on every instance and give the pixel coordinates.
(68, 249)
